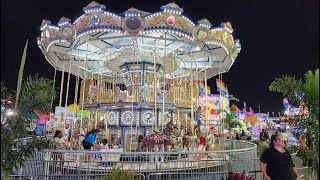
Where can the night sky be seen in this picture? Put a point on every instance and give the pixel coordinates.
(277, 37)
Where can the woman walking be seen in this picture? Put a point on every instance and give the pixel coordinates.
(276, 162)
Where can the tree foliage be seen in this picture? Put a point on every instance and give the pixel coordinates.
(309, 102)
(287, 86)
(36, 95)
(117, 172)
(5, 92)
(230, 120)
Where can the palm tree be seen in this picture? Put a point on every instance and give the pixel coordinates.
(305, 93)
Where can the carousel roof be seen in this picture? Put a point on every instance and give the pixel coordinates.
(101, 42)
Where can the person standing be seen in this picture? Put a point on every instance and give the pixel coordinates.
(90, 140)
(262, 138)
(58, 143)
(243, 133)
(237, 136)
(264, 135)
(198, 116)
(276, 162)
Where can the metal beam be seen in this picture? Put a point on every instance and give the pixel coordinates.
(113, 37)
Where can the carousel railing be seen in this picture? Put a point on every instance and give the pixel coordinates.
(304, 172)
(70, 162)
(64, 164)
(118, 89)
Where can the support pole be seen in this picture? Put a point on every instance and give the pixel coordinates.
(84, 85)
(164, 79)
(54, 78)
(192, 98)
(155, 89)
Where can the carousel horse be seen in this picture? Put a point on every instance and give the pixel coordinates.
(206, 140)
(132, 143)
(119, 95)
(187, 139)
(170, 135)
(92, 93)
(159, 137)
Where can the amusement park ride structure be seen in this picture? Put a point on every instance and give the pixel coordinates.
(137, 66)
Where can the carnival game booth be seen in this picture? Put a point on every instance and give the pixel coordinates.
(136, 67)
(263, 120)
(252, 124)
(248, 120)
(236, 111)
(212, 104)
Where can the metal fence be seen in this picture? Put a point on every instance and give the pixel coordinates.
(305, 174)
(72, 165)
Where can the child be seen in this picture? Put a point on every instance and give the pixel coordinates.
(104, 144)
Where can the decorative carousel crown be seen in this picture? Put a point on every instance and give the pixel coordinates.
(108, 36)
(205, 23)
(227, 25)
(94, 7)
(63, 21)
(45, 23)
(172, 7)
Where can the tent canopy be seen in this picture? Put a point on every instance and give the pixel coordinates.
(234, 108)
(251, 118)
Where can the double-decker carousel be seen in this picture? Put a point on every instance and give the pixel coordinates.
(138, 72)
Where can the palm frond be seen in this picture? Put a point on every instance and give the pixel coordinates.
(287, 86)
(311, 88)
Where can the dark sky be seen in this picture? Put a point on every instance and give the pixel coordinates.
(277, 37)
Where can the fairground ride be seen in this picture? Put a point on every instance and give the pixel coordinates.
(135, 67)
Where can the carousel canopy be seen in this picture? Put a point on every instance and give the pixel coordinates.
(102, 42)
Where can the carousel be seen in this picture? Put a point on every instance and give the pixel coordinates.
(139, 73)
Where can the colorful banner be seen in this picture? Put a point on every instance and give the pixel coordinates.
(215, 102)
(222, 87)
(40, 129)
(65, 111)
(202, 90)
